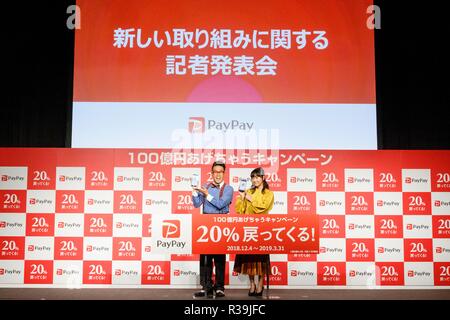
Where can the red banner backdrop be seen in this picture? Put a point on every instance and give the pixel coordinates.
(125, 217)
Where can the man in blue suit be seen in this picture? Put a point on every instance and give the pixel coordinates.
(215, 198)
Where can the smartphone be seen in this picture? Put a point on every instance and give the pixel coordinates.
(194, 180)
(242, 185)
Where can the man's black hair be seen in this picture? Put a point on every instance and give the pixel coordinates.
(218, 163)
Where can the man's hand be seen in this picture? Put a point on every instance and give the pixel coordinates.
(202, 190)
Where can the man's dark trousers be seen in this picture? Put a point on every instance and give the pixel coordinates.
(206, 268)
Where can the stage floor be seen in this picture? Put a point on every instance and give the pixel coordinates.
(231, 294)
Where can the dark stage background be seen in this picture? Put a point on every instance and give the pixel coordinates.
(412, 63)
